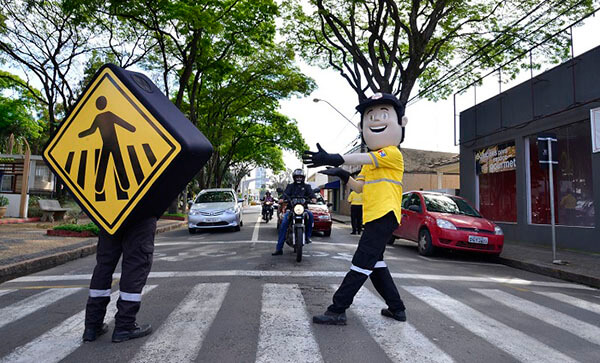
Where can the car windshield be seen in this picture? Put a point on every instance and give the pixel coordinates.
(449, 204)
(215, 197)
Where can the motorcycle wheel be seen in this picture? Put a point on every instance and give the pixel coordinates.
(299, 236)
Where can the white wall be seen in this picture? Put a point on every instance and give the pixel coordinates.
(14, 202)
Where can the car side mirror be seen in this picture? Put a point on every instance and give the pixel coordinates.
(414, 208)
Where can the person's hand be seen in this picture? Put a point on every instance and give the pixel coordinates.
(321, 157)
(339, 172)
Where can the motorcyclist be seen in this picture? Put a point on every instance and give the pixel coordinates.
(296, 189)
(268, 198)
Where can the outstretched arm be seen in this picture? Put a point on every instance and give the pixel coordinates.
(321, 157)
(89, 131)
(124, 124)
(344, 175)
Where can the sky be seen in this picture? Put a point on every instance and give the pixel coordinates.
(430, 124)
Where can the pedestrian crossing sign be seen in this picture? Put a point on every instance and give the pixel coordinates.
(111, 149)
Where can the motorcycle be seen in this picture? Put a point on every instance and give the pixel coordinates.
(295, 234)
(267, 211)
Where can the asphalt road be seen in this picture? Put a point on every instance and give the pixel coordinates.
(221, 297)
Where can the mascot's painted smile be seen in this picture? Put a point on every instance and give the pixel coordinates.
(378, 129)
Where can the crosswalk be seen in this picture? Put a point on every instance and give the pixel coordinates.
(496, 318)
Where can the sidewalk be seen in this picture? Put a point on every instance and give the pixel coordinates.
(582, 268)
(25, 248)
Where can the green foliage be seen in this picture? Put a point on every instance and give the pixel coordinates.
(90, 227)
(390, 45)
(175, 215)
(3, 201)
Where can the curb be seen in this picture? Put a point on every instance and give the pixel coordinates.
(20, 220)
(339, 220)
(23, 268)
(551, 272)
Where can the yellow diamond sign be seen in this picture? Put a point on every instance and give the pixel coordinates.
(110, 150)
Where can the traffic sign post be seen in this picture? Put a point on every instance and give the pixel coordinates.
(125, 151)
(548, 157)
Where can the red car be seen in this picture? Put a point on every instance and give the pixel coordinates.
(436, 220)
(322, 217)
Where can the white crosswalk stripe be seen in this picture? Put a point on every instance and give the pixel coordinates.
(512, 341)
(7, 291)
(285, 333)
(57, 343)
(180, 337)
(574, 326)
(400, 340)
(582, 304)
(32, 304)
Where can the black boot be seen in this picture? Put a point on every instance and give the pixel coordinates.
(92, 333)
(399, 315)
(330, 318)
(137, 332)
(277, 253)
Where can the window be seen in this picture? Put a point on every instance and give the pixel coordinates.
(446, 204)
(496, 169)
(405, 199)
(6, 183)
(573, 187)
(215, 197)
(414, 200)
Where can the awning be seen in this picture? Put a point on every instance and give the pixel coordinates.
(332, 185)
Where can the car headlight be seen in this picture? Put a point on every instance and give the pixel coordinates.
(325, 217)
(299, 209)
(498, 230)
(442, 223)
(230, 210)
(193, 212)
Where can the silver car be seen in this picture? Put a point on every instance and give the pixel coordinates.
(215, 208)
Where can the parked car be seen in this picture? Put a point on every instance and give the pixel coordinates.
(320, 211)
(436, 220)
(215, 208)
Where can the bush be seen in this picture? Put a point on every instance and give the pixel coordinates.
(3, 201)
(90, 227)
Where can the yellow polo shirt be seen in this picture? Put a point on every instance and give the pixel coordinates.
(355, 198)
(382, 190)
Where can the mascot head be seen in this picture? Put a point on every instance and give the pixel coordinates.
(382, 121)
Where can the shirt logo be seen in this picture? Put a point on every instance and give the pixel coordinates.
(382, 153)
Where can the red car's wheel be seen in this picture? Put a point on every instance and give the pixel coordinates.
(327, 233)
(426, 247)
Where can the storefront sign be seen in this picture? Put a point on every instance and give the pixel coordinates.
(496, 159)
(595, 127)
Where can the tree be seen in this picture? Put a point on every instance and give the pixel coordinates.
(21, 114)
(45, 43)
(281, 180)
(390, 45)
(238, 113)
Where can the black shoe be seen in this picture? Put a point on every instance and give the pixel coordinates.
(330, 318)
(398, 315)
(277, 253)
(308, 240)
(353, 232)
(91, 334)
(137, 332)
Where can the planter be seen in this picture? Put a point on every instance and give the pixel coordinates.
(174, 218)
(2, 212)
(63, 233)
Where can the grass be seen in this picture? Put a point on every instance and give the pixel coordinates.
(175, 215)
(90, 227)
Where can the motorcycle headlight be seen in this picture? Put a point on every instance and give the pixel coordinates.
(498, 230)
(442, 223)
(299, 209)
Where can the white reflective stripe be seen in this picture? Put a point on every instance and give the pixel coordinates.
(361, 270)
(375, 161)
(360, 177)
(128, 296)
(99, 293)
(380, 264)
(384, 180)
(4, 292)
(582, 304)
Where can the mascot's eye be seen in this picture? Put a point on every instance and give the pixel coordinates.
(385, 116)
(371, 117)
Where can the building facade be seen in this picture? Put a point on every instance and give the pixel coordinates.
(500, 168)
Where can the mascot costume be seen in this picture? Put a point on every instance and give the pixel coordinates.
(380, 180)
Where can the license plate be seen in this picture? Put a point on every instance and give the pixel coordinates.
(477, 239)
(210, 220)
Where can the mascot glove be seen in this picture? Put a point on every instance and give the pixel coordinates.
(339, 172)
(321, 158)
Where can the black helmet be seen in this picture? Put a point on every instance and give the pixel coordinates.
(268, 193)
(298, 176)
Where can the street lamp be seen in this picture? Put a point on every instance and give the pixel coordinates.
(338, 111)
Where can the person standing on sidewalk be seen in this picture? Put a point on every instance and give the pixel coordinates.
(356, 205)
(380, 179)
(135, 242)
